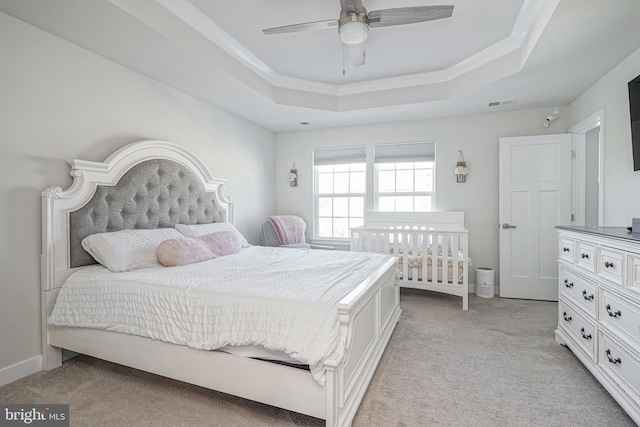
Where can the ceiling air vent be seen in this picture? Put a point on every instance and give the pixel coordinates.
(504, 102)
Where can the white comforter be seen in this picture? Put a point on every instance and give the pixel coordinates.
(282, 299)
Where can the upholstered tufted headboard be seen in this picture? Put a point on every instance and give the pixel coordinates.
(156, 193)
(147, 184)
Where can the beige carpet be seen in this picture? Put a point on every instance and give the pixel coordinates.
(495, 365)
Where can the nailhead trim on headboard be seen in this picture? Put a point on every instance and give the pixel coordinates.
(156, 193)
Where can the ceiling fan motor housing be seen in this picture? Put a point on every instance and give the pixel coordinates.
(354, 27)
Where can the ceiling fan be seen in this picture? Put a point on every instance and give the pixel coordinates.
(354, 23)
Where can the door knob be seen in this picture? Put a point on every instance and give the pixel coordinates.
(506, 225)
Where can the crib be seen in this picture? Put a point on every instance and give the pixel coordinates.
(432, 248)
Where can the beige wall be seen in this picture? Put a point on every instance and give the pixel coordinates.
(621, 185)
(58, 101)
(477, 136)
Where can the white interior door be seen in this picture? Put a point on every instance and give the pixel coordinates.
(535, 197)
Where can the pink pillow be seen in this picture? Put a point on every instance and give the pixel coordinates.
(182, 251)
(222, 243)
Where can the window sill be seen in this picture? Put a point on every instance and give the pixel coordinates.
(339, 244)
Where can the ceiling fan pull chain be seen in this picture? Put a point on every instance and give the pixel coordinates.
(344, 50)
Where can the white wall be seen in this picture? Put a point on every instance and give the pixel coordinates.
(59, 101)
(621, 185)
(477, 136)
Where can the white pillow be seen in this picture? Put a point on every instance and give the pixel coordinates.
(200, 230)
(128, 250)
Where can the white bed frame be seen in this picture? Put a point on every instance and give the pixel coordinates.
(368, 315)
(405, 234)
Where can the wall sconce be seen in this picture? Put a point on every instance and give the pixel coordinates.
(461, 169)
(293, 176)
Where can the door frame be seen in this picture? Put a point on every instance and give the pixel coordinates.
(579, 132)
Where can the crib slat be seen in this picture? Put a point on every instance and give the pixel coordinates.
(455, 262)
(445, 259)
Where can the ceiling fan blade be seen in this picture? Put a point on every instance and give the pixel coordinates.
(408, 15)
(357, 53)
(307, 26)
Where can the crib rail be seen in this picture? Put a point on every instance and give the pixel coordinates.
(430, 259)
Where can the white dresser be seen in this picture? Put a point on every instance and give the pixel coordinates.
(599, 307)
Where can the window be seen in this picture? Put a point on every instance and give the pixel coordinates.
(404, 177)
(340, 189)
(396, 178)
(404, 186)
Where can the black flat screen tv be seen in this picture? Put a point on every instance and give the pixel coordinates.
(634, 107)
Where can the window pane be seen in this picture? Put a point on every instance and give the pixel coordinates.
(404, 166)
(423, 204)
(404, 204)
(358, 167)
(325, 206)
(358, 182)
(386, 181)
(325, 227)
(341, 227)
(386, 166)
(325, 168)
(325, 183)
(341, 182)
(423, 180)
(356, 222)
(386, 204)
(341, 168)
(356, 207)
(340, 206)
(404, 181)
(423, 165)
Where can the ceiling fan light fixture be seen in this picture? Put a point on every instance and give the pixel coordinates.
(353, 32)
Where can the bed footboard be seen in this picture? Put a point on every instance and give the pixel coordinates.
(368, 316)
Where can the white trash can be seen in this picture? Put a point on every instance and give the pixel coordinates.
(485, 282)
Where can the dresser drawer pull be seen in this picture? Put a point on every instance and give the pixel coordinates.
(585, 296)
(584, 334)
(615, 361)
(567, 284)
(616, 313)
(566, 249)
(608, 264)
(567, 318)
(585, 256)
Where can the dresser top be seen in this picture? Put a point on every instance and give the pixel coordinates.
(615, 232)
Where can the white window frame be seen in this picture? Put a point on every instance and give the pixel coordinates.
(377, 194)
(343, 156)
(396, 152)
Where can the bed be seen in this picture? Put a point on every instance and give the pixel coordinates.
(155, 187)
(432, 248)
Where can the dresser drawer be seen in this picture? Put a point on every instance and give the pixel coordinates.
(578, 327)
(621, 315)
(579, 290)
(586, 256)
(567, 249)
(611, 265)
(621, 364)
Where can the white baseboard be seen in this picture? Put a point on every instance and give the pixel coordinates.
(20, 370)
